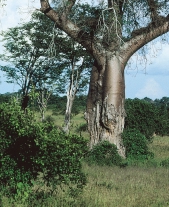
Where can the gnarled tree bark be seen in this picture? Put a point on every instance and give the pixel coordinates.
(105, 105)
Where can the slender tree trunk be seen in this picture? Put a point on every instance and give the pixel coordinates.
(43, 106)
(42, 100)
(71, 93)
(68, 112)
(25, 101)
(43, 116)
(105, 105)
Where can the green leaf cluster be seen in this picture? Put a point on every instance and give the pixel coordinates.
(162, 116)
(136, 145)
(31, 151)
(141, 115)
(104, 153)
(148, 116)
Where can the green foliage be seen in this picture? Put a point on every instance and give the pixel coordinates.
(29, 149)
(165, 163)
(162, 122)
(18, 149)
(27, 44)
(79, 104)
(58, 104)
(148, 116)
(82, 128)
(162, 118)
(49, 119)
(60, 155)
(104, 153)
(141, 115)
(136, 145)
(5, 97)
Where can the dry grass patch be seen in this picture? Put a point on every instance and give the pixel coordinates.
(160, 148)
(131, 186)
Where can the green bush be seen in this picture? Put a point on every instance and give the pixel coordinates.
(162, 121)
(81, 128)
(104, 153)
(141, 115)
(165, 163)
(61, 155)
(29, 149)
(136, 144)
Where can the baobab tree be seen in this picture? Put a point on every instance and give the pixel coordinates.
(112, 32)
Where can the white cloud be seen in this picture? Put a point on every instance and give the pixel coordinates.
(151, 89)
(17, 11)
(160, 65)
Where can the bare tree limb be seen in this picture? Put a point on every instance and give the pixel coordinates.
(153, 9)
(45, 7)
(70, 4)
(65, 24)
(73, 30)
(118, 3)
(144, 36)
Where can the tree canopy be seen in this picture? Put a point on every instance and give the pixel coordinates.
(27, 61)
(110, 21)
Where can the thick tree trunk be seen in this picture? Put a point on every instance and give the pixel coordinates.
(105, 106)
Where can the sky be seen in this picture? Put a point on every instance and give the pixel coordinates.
(150, 79)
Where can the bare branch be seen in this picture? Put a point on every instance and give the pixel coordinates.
(144, 36)
(45, 7)
(153, 8)
(70, 4)
(118, 3)
(66, 25)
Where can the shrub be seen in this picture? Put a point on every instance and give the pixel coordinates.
(165, 163)
(136, 144)
(18, 149)
(60, 158)
(81, 128)
(162, 121)
(28, 149)
(141, 115)
(104, 153)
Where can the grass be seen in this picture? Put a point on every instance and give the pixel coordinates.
(160, 147)
(137, 185)
(76, 122)
(131, 186)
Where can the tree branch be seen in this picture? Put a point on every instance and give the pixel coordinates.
(153, 9)
(66, 25)
(144, 36)
(70, 4)
(73, 30)
(45, 7)
(118, 3)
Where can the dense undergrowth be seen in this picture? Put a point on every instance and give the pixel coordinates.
(138, 184)
(32, 152)
(41, 166)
